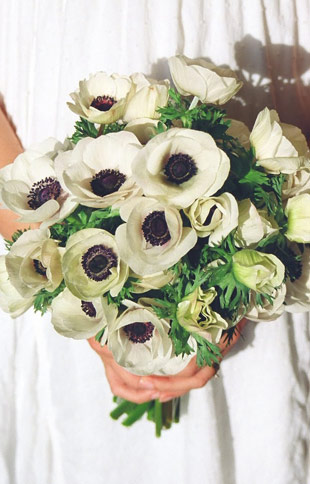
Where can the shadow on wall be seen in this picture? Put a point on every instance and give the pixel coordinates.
(272, 76)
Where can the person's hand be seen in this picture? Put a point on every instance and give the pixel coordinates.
(142, 389)
(10, 148)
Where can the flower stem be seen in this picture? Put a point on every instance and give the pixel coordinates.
(158, 417)
(194, 103)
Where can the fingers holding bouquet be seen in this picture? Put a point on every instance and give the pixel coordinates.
(142, 389)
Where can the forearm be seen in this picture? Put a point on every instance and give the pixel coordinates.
(10, 147)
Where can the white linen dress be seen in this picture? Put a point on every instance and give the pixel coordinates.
(250, 425)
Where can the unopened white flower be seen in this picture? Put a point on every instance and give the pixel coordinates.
(10, 299)
(298, 292)
(275, 143)
(143, 128)
(297, 182)
(140, 342)
(77, 319)
(258, 271)
(98, 171)
(102, 98)
(267, 311)
(34, 263)
(297, 211)
(195, 314)
(92, 266)
(30, 187)
(253, 225)
(214, 217)
(180, 165)
(197, 77)
(152, 281)
(153, 239)
(149, 95)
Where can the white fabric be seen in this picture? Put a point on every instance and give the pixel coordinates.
(252, 423)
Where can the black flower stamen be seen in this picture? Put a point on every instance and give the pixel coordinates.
(88, 309)
(180, 168)
(107, 181)
(155, 228)
(139, 332)
(103, 103)
(42, 191)
(39, 267)
(98, 261)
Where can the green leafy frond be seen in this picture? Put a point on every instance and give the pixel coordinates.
(85, 218)
(44, 298)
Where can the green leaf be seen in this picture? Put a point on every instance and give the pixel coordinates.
(44, 298)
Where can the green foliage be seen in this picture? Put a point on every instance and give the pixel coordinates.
(127, 292)
(85, 218)
(202, 117)
(207, 353)
(44, 298)
(84, 129)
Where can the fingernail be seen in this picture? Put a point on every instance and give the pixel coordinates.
(147, 384)
(154, 396)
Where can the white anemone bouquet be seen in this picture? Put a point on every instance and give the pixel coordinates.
(162, 222)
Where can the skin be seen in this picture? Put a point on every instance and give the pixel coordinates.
(142, 389)
(10, 147)
(123, 384)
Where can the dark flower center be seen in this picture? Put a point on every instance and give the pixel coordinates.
(180, 168)
(39, 267)
(88, 309)
(139, 332)
(155, 228)
(106, 182)
(98, 261)
(42, 191)
(103, 103)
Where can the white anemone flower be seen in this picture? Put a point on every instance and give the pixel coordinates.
(102, 98)
(30, 187)
(34, 263)
(140, 342)
(258, 271)
(276, 143)
(297, 211)
(179, 166)
(153, 239)
(92, 266)
(149, 95)
(98, 171)
(297, 182)
(195, 314)
(214, 217)
(152, 281)
(75, 318)
(10, 299)
(253, 225)
(267, 311)
(200, 78)
(298, 292)
(143, 128)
